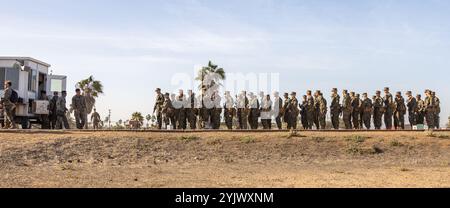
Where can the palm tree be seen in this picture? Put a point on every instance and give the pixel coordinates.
(148, 118)
(136, 120)
(210, 76)
(137, 116)
(91, 89)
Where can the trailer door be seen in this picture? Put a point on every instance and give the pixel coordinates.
(56, 83)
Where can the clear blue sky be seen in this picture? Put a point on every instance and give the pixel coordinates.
(135, 46)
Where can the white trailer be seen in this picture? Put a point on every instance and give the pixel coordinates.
(29, 77)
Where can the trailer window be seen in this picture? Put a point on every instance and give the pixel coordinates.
(56, 85)
(2, 78)
(32, 76)
(13, 76)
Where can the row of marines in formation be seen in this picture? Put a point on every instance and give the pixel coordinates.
(245, 110)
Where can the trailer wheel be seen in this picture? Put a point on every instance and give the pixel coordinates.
(26, 124)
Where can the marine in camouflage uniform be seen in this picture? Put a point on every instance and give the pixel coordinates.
(430, 108)
(254, 111)
(191, 110)
(278, 107)
(266, 110)
(79, 107)
(8, 106)
(168, 112)
(242, 110)
(95, 118)
(206, 107)
(361, 112)
(411, 103)
(420, 112)
(389, 108)
(285, 112)
(176, 110)
(182, 111)
(378, 110)
(347, 109)
(216, 112)
(303, 112)
(310, 109)
(356, 105)
(230, 111)
(52, 107)
(367, 110)
(61, 110)
(157, 109)
(323, 110)
(293, 110)
(335, 108)
(399, 111)
(316, 109)
(437, 104)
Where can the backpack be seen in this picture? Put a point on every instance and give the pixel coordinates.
(14, 97)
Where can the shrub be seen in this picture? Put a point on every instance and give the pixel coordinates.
(248, 140)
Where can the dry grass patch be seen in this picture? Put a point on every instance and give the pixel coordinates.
(356, 138)
(294, 134)
(189, 138)
(396, 143)
(356, 149)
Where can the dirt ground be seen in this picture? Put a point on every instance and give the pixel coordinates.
(250, 160)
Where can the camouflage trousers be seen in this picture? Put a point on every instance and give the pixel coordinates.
(347, 117)
(356, 118)
(80, 119)
(412, 118)
(215, 118)
(420, 118)
(310, 118)
(335, 119)
(293, 119)
(399, 120)
(266, 123)
(377, 119)
(229, 115)
(253, 119)
(192, 118)
(286, 117)
(204, 117)
(61, 121)
(367, 119)
(278, 121)
(53, 118)
(388, 120)
(169, 120)
(322, 120)
(45, 121)
(361, 120)
(242, 118)
(317, 119)
(159, 121)
(437, 121)
(181, 119)
(95, 124)
(9, 117)
(430, 117)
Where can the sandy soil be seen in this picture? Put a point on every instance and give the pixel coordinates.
(309, 159)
